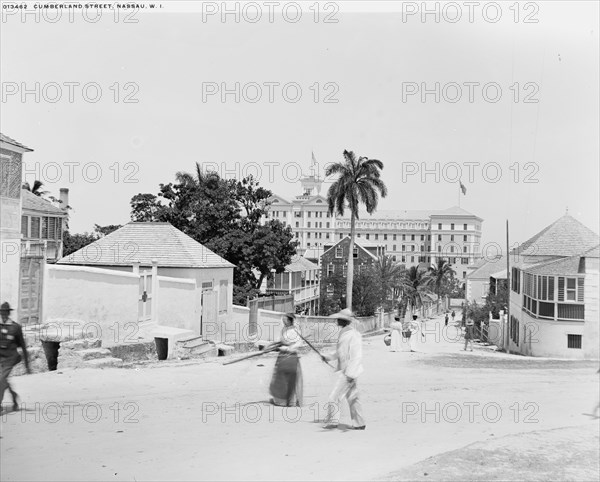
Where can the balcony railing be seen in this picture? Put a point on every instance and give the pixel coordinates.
(301, 295)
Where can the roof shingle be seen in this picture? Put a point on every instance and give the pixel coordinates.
(144, 242)
(9, 140)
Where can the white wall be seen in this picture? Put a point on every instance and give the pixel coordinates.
(178, 304)
(103, 303)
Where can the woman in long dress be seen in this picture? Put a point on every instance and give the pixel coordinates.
(286, 385)
(396, 328)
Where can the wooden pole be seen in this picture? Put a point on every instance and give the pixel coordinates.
(507, 343)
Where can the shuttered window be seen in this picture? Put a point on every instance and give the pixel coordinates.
(561, 289)
(24, 226)
(44, 228)
(580, 290)
(35, 227)
(573, 341)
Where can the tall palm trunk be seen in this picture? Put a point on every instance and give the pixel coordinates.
(350, 274)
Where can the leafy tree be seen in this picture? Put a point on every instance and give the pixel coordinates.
(414, 288)
(387, 274)
(145, 207)
(36, 188)
(74, 242)
(366, 293)
(102, 231)
(359, 181)
(441, 274)
(225, 216)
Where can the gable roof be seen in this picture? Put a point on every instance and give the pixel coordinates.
(564, 266)
(144, 242)
(356, 244)
(31, 202)
(11, 141)
(300, 263)
(564, 237)
(488, 268)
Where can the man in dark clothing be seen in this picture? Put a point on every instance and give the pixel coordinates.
(11, 338)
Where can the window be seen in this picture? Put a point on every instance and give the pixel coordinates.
(298, 214)
(339, 252)
(452, 249)
(223, 296)
(326, 235)
(465, 238)
(393, 247)
(297, 224)
(452, 237)
(573, 341)
(422, 248)
(308, 235)
(403, 259)
(24, 226)
(35, 228)
(403, 247)
(452, 226)
(412, 259)
(422, 237)
(464, 274)
(571, 289)
(355, 253)
(367, 235)
(439, 248)
(327, 225)
(377, 236)
(412, 248)
(404, 237)
(465, 249)
(330, 289)
(439, 237)
(394, 257)
(465, 227)
(385, 237)
(394, 237)
(429, 237)
(412, 237)
(345, 270)
(464, 260)
(329, 269)
(308, 214)
(308, 224)
(440, 226)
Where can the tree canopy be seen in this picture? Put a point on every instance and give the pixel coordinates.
(225, 216)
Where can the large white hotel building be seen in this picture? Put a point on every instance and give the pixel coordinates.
(411, 237)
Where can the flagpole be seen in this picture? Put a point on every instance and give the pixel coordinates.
(458, 193)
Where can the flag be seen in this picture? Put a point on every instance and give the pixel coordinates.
(463, 188)
(314, 160)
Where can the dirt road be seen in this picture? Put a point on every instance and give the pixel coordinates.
(206, 421)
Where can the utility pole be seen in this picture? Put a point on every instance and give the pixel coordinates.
(507, 342)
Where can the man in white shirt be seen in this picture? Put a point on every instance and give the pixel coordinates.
(349, 366)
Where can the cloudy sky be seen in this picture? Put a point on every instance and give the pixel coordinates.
(115, 103)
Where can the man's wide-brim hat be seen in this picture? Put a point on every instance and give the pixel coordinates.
(345, 314)
(5, 307)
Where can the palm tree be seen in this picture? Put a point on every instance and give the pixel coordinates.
(414, 287)
(389, 274)
(440, 274)
(36, 189)
(359, 181)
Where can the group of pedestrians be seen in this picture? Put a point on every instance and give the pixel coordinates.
(286, 385)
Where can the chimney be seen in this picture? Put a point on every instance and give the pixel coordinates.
(64, 198)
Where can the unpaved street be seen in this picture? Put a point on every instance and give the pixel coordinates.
(205, 421)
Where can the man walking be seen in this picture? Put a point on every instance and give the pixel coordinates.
(349, 366)
(11, 338)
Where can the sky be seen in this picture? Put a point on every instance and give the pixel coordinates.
(115, 103)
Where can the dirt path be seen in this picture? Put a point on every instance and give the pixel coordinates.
(206, 421)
